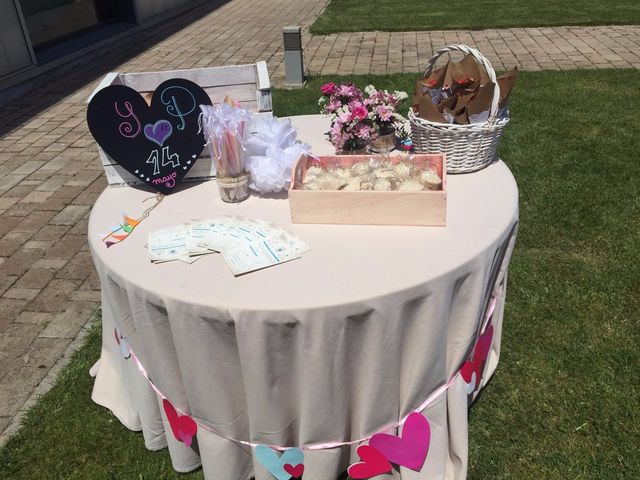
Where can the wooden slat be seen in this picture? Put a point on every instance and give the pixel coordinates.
(240, 93)
(263, 75)
(205, 77)
(118, 176)
(263, 100)
(106, 160)
(111, 78)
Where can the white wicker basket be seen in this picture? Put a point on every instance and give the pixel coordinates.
(468, 147)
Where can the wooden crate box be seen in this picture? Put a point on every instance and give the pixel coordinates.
(369, 207)
(247, 84)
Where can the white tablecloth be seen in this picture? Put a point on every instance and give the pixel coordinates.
(330, 347)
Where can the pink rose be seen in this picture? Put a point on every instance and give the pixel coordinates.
(359, 112)
(328, 88)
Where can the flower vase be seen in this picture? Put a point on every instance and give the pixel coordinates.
(234, 189)
(359, 149)
(385, 141)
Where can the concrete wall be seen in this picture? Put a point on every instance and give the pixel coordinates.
(150, 8)
(14, 50)
(16, 54)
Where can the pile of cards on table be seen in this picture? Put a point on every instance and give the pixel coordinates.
(246, 244)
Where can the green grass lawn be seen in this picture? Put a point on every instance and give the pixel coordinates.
(564, 401)
(408, 15)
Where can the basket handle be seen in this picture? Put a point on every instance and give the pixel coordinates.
(493, 112)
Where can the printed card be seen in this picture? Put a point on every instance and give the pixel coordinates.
(246, 244)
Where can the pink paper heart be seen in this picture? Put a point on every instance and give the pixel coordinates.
(373, 463)
(182, 426)
(411, 448)
(295, 472)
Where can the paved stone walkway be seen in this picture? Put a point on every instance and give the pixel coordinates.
(558, 48)
(50, 173)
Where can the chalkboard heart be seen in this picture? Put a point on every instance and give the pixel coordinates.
(157, 143)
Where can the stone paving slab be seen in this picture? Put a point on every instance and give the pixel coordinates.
(51, 175)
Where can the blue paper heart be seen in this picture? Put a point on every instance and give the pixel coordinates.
(274, 464)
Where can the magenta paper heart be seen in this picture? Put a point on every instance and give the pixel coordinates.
(467, 371)
(295, 472)
(182, 426)
(373, 463)
(411, 448)
(158, 132)
(475, 366)
(484, 345)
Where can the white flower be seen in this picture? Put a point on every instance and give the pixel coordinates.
(399, 118)
(370, 90)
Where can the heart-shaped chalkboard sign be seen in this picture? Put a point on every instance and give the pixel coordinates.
(159, 143)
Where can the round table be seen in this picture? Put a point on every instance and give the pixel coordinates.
(331, 347)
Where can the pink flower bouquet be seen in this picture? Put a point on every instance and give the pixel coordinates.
(351, 125)
(357, 120)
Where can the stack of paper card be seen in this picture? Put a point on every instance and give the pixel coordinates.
(246, 244)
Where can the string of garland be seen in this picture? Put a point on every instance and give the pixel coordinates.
(381, 450)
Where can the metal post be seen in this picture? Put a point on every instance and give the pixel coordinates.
(293, 63)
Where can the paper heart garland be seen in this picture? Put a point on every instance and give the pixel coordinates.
(373, 463)
(411, 448)
(276, 465)
(159, 143)
(472, 370)
(182, 426)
